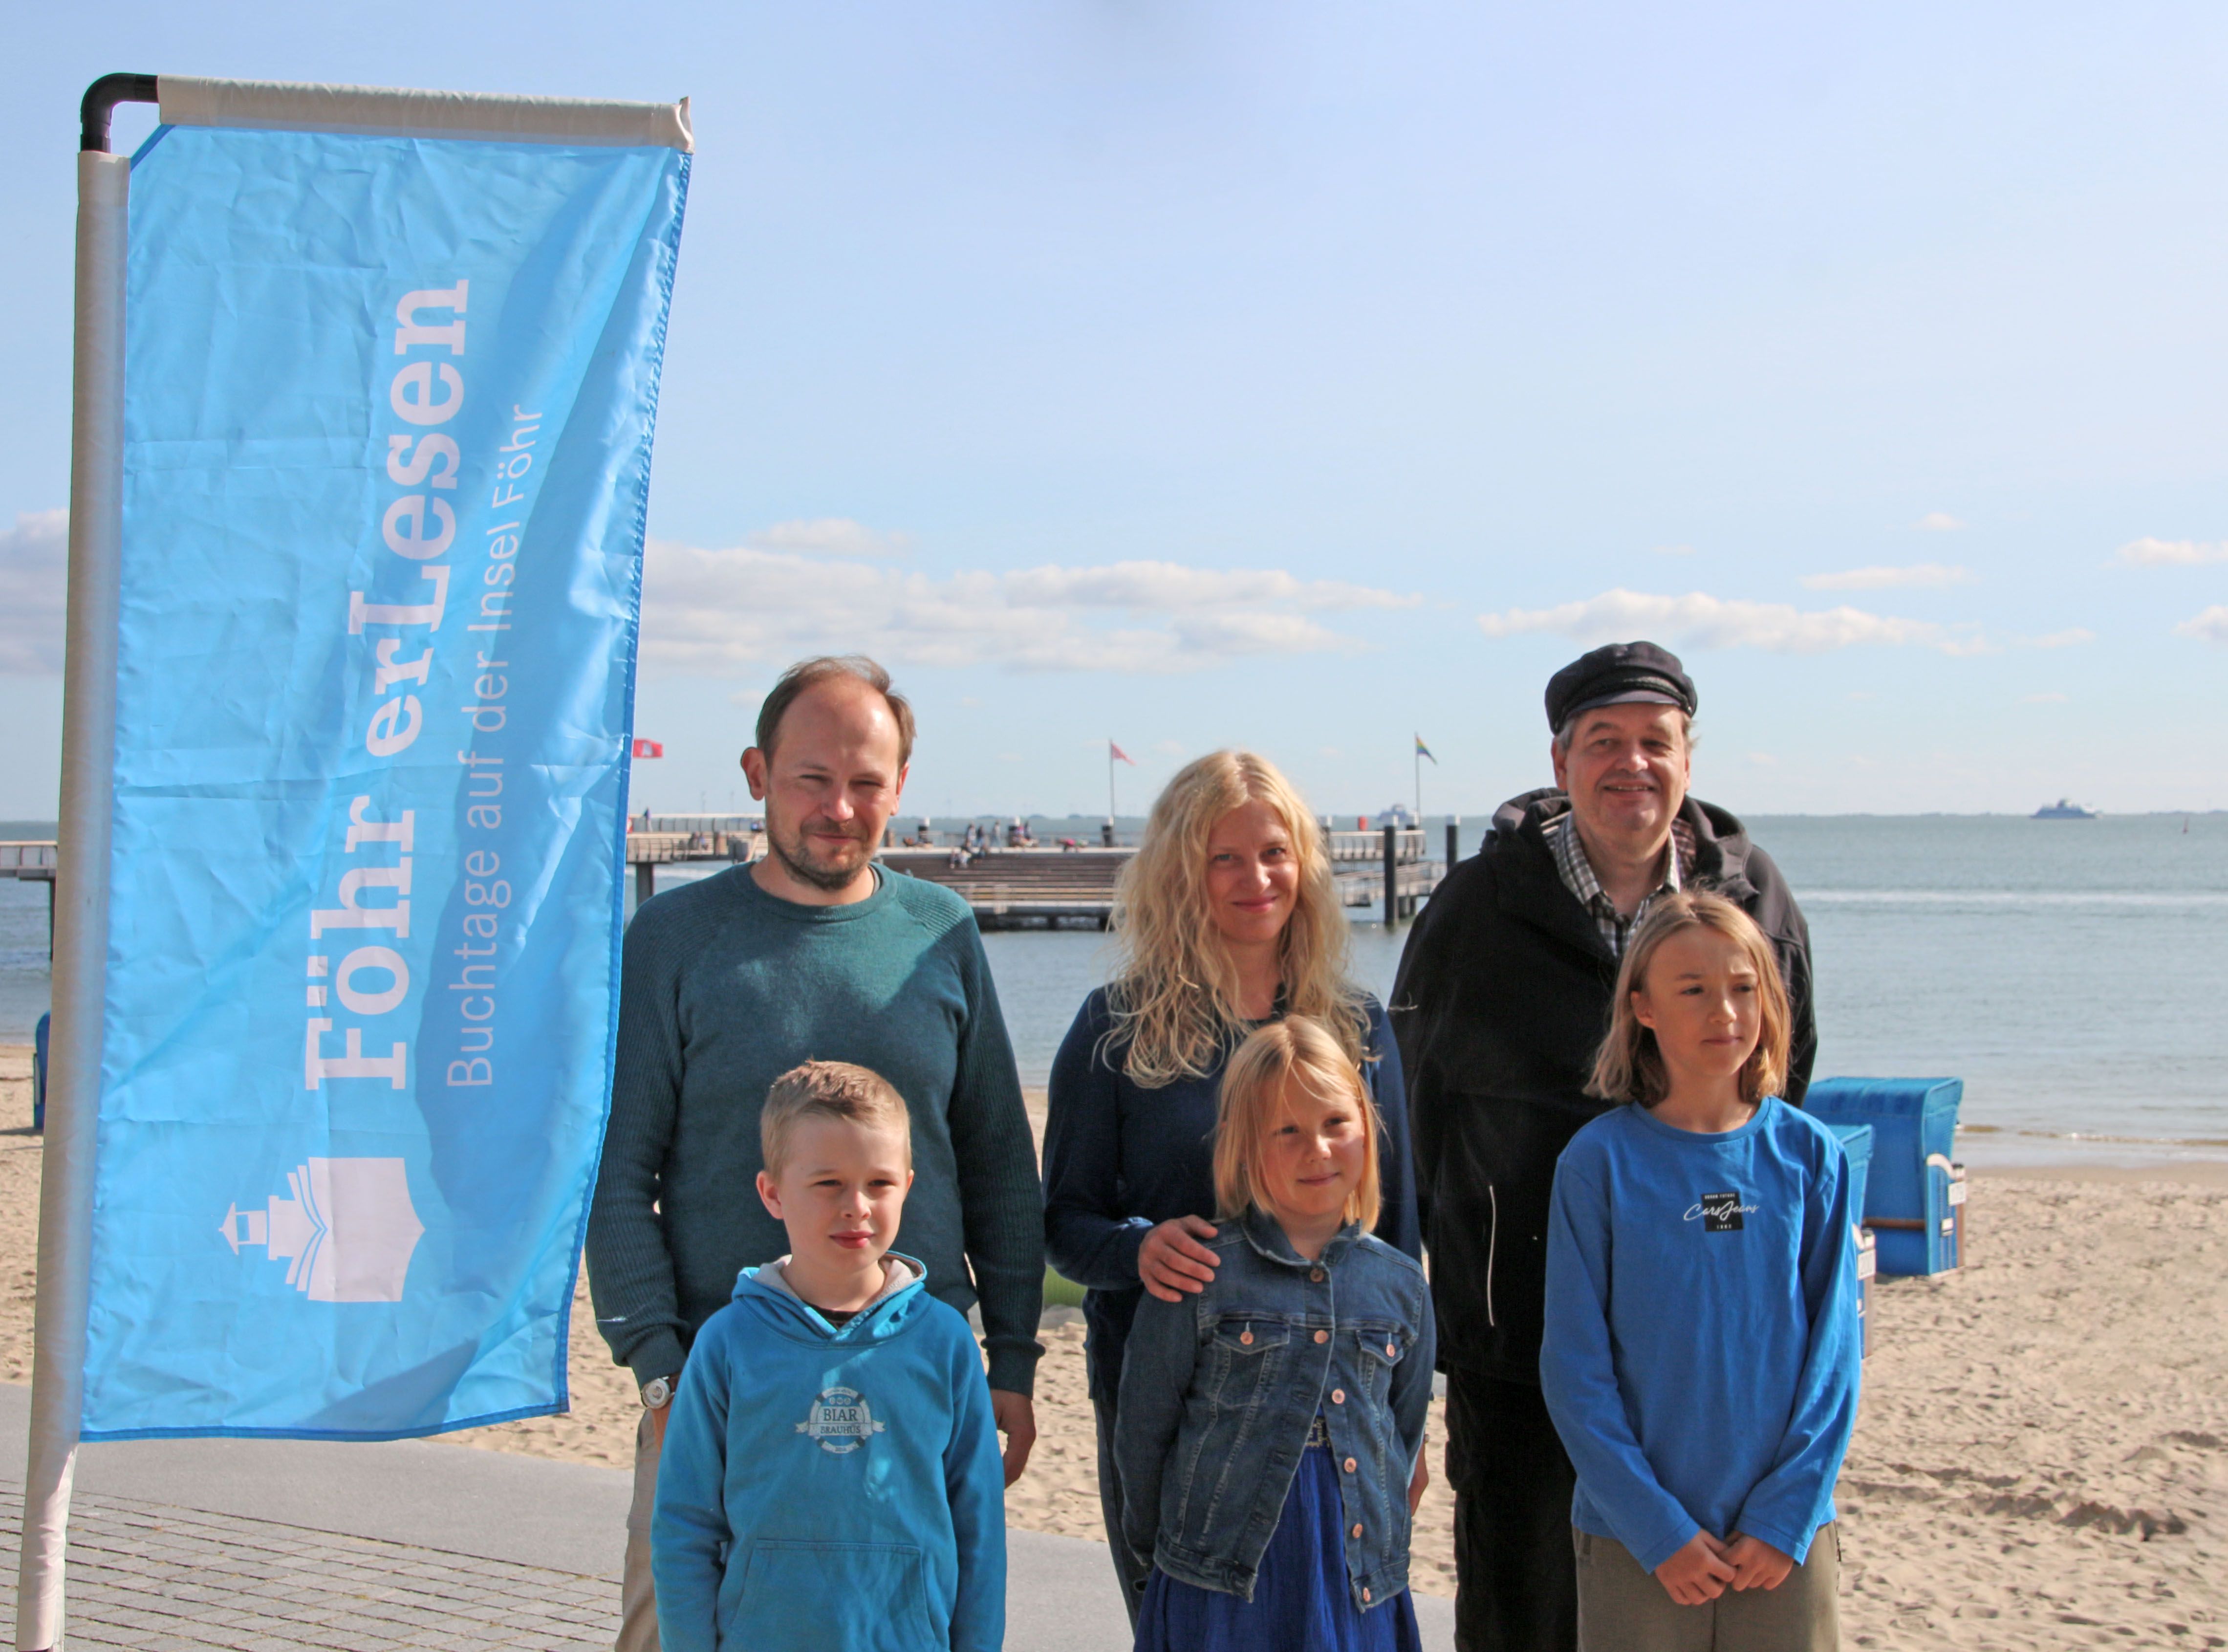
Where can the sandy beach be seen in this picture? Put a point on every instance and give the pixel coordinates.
(2041, 1461)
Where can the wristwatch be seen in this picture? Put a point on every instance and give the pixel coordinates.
(658, 1392)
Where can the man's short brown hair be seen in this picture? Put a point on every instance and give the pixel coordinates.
(807, 674)
(828, 1089)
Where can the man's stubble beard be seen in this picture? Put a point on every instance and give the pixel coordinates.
(804, 871)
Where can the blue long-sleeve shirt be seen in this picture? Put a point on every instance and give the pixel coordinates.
(1119, 1159)
(1702, 1342)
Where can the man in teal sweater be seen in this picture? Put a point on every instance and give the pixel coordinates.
(813, 952)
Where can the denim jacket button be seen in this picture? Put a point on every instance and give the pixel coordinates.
(1389, 1352)
(1338, 1396)
(1245, 1337)
(1365, 1597)
(1357, 1530)
(1322, 1336)
(1351, 1465)
(1316, 1275)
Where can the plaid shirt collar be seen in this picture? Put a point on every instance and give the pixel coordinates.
(1578, 874)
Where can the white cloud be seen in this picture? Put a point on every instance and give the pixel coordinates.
(33, 560)
(2211, 627)
(1937, 521)
(829, 536)
(2148, 553)
(1160, 587)
(2051, 699)
(714, 611)
(1696, 620)
(1763, 760)
(1881, 579)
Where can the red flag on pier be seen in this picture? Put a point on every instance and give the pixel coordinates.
(648, 748)
(1115, 754)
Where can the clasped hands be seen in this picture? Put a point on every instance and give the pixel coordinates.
(1704, 1568)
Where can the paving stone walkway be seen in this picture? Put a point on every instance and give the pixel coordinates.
(155, 1577)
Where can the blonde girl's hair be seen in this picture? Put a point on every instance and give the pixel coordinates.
(1629, 1067)
(1294, 1051)
(1174, 989)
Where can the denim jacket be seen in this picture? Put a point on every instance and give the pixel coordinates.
(1219, 1393)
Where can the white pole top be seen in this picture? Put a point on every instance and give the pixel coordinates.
(282, 105)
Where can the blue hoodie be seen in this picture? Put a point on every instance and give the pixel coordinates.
(824, 1487)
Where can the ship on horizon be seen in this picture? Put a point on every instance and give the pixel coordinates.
(2063, 809)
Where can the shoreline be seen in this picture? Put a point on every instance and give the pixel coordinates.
(1987, 1150)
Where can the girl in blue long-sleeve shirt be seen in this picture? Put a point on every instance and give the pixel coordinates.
(1701, 1352)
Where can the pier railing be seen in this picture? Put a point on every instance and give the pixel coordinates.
(1349, 847)
(36, 861)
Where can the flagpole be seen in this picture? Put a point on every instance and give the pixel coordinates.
(1110, 783)
(81, 873)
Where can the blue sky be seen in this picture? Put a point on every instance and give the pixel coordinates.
(1304, 376)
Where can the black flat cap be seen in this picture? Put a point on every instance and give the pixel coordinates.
(1618, 674)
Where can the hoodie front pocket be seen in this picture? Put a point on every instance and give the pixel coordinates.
(861, 1597)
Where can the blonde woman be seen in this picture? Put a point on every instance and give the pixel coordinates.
(1227, 919)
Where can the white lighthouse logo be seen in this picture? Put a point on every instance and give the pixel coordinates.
(346, 1235)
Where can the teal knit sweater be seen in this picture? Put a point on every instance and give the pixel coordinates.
(724, 989)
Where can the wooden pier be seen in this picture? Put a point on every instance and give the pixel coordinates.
(1056, 888)
(1024, 888)
(1008, 889)
(33, 861)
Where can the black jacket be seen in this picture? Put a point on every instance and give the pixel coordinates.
(1503, 995)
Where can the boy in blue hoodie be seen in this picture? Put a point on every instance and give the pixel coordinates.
(832, 1476)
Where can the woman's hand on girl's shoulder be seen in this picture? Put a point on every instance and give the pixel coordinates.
(1173, 1261)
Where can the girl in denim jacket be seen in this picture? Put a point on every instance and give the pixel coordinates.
(1267, 1428)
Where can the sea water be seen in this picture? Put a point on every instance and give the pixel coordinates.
(2073, 973)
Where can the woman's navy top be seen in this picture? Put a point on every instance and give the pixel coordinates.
(1119, 1159)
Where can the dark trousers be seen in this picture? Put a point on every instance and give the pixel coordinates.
(1515, 1578)
(1134, 1573)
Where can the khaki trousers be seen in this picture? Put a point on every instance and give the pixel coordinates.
(637, 1595)
(1624, 1608)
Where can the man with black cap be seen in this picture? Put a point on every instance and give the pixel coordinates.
(1503, 993)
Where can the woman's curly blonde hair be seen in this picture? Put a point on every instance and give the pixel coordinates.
(1175, 991)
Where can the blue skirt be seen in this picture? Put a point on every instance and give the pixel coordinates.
(1301, 1599)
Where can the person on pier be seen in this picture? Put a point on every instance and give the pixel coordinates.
(1225, 919)
(1504, 992)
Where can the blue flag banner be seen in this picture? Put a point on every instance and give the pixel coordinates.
(387, 414)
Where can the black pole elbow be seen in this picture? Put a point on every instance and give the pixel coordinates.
(99, 106)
